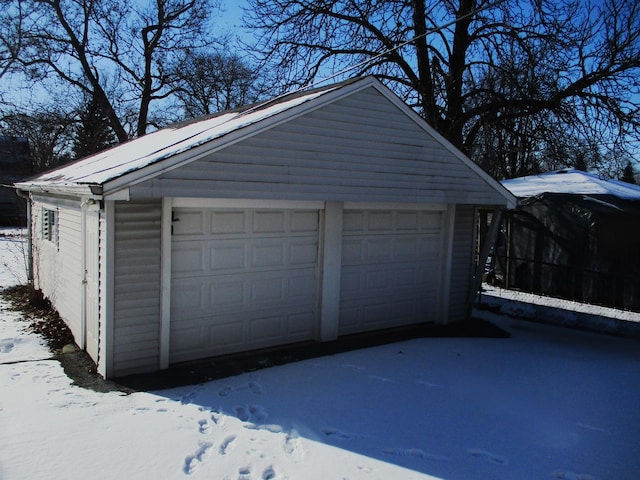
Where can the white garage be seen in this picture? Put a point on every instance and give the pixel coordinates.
(322, 213)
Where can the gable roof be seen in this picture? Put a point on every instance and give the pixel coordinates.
(571, 181)
(167, 142)
(153, 154)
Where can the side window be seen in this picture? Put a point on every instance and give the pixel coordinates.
(50, 225)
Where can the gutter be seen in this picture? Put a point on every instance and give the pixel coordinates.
(92, 191)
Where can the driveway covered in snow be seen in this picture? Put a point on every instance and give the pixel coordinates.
(546, 403)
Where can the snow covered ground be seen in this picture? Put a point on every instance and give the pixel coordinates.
(547, 403)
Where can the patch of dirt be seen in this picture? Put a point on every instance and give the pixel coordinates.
(44, 320)
(39, 314)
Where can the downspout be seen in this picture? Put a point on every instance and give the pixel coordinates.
(27, 197)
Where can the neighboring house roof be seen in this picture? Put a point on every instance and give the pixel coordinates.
(139, 160)
(571, 181)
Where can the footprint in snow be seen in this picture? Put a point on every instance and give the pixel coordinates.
(254, 413)
(190, 395)
(339, 434)
(255, 388)
(355, 368)
(488, 456)
(590, 427)
(415, 453)
(292, 444)
(225, 391)
(244, 473)
(572, 476)
(204, 427)
(216, 417)
(191, 462)
(6, 345)
(269, 473)
(227, 445)
(428, 384)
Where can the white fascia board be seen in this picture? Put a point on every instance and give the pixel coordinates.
(395, 206)
(247, 203)
(122, 194)
(155, 169)
(68, 190)
(510, 200)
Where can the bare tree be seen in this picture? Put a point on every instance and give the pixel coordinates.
(213, 82)
(10, 34)
(113, 51)
(49, 134)
(474, 67)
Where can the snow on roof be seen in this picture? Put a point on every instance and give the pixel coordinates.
(167, 142)
(570, 181)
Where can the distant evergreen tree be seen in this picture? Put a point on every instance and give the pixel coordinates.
(628, 174)
(93, 133)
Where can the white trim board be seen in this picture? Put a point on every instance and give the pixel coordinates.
(232, 203)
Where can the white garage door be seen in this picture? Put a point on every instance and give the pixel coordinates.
(390, 269)
(242, 279)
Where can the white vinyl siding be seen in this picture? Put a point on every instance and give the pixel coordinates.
(57, 257)
(242, 279)
(362, 148)
(462, 263)
(136, 329)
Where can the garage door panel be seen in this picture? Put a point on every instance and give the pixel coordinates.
(408, 221)
(352, 221)
(188, 258)
(229, 336)
(227, 256)
(257, 282)
(301, 326)
(406, 248)
(227, 294)
(303, 288)
(269, 253)
(191, 222)
(379, 221)
(350, 282)
(269, 221)
(406, 277)
(389, 266)
(219, 335)
(189, 294)
(378, 248)
(267, 291)
(377, 280)
(303, 252)
(352, 251)
(230, 222)
(266, 329)
(430, 246)
(189, 335)
(364, 278)
(431, 221)
(376, 314)
(304, 221)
